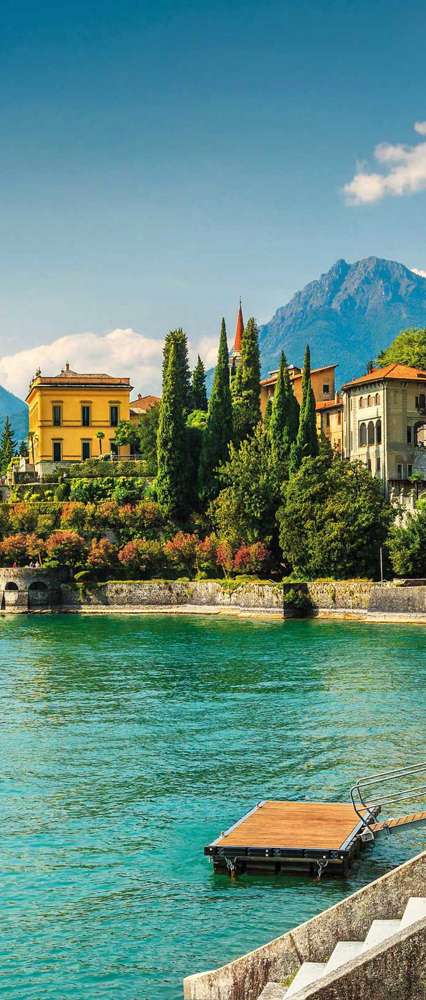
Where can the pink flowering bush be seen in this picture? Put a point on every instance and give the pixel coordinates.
(141, 558)
(253, 559)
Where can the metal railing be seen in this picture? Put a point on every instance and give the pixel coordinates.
(370, 795)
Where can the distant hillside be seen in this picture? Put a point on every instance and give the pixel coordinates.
(17, 411)
(347, 316)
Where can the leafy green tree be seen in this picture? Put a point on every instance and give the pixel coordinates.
(147, 434)
(23, 449)
(407, 544)
(283, 424)
(127, 432)
(334, 519)
(245, 508)
(182, 370)
(218, 432)
(408, 348)
(7, 445)
(245, 385)
(306, 443)
(198, 389)
(172, 451)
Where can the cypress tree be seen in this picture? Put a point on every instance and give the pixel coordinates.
(7, 445)
(183, 374)
(306, 443)
(245, 387)
(218, 432)
(283, 425)
(198, 390)
(172, 452)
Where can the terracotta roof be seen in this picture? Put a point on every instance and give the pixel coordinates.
(403, 373)
(328, 404)
(239, 330)
(144, 402)
(272, 378)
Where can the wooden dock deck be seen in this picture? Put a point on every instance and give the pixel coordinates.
(278, 835)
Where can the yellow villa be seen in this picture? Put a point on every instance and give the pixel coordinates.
(73, 417)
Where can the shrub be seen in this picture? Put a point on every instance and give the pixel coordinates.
(407, 544)
(73, 516)
(225, 556)
(207, 555)
(182, 551)
(22, 517)
(142, 558)
(145, 520)
(46, 523)
(102, 556)
(20, 549)
(66, 548)
(253, 559)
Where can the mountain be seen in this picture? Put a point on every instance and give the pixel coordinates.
(17, 411)
(348, 316)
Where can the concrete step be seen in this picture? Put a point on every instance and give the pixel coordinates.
(343, 952)
(414, 910)
(308, 973)
(379, 931)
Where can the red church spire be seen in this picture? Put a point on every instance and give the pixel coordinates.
(239, 330)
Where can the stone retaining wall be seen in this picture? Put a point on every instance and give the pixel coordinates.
(314, 941)
(135, 594)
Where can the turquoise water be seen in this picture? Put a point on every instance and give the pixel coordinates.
(129, 743)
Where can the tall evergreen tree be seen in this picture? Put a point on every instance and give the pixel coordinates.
(183, 373)
(284, 420)
(218, 432)
(198, 392)
(7, 445)
(172, 451)
(306, 444)
(245, 385)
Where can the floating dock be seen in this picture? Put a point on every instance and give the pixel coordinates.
(300, 836)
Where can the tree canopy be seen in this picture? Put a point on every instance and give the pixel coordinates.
(7, 445)
(172, 451)
(198, 388)
(306, 444)
(245, 384)
(218, 432)
(408, 348)
(334, 519)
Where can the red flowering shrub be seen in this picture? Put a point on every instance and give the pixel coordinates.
(142, 558)
(20, 550)
(207, 554)
(253, 559)
(225, 556)
(66, 548)
(102, 556)
(182, 552)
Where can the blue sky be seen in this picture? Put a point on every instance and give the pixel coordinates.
(158, 160)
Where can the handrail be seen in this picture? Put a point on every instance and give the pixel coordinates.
(365, 801)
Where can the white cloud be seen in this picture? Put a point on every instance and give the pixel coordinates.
(406, 172)
(119, 352)
(417, 270)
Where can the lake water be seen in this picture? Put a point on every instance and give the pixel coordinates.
(127, 743)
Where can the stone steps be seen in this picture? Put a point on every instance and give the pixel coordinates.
(346, 951)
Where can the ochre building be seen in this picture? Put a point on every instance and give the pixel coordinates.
(73, 417)
(329, 406)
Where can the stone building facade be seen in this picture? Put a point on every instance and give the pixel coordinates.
(384, 422)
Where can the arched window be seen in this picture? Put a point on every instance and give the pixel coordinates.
(361, 402)
(378, 431)
(370, 432)
(362, 435)
(369, 400)
(377, 398)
